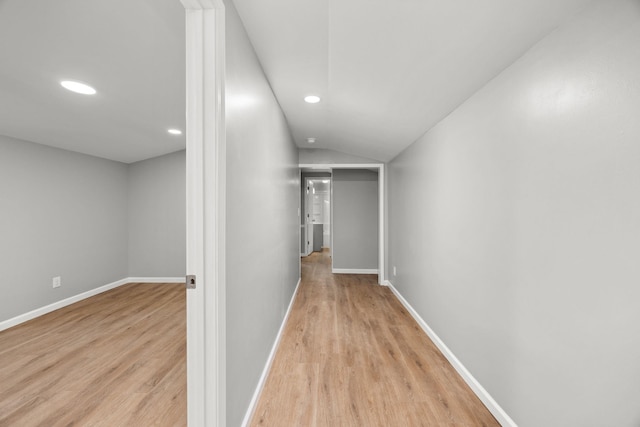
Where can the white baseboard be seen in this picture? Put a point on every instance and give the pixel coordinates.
(84, 295)
(155, 279)
(354, 270)
(482, 394)
(267, 367)
(59, 304)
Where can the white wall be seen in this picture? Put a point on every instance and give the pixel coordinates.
(157, 216)
(355, 219)
(262, 222)
(61, 214)
(515, 226)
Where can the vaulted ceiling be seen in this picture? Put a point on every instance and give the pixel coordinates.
(386, 71)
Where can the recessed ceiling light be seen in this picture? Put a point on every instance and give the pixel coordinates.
(311, 140)
(78, 87)
(312, 99)
(175, 131)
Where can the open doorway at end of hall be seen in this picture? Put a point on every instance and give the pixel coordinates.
(315, 208)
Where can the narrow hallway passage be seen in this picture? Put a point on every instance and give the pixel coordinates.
(351, 355)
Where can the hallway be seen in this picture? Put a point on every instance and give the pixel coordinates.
(351, 355)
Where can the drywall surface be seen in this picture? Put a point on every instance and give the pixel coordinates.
(263, 259)
(355, 219)
(515, 226)
(310, 156)
(62, 214)
(156, 212)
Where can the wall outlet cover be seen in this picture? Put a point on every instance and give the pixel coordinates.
(57, 282)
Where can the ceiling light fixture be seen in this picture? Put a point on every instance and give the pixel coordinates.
(78, 87)
(312, 99)
(175, 131)
(311, 140)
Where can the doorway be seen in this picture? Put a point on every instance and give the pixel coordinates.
(317, 214)
(321, 170)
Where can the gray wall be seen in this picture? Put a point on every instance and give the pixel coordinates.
(355, 219)
(515, 225)
(61, 214)
(262, 220)
(156, 212)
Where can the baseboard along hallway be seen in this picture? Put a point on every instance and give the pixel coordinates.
(351, 355)
(114, 359)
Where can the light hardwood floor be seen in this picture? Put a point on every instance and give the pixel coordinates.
(351, 355)
(115, 359)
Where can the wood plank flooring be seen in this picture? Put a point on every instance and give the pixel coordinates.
(115, 359)
(351, 355)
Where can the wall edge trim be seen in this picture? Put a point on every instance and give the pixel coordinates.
(354, 270)
(155, 279)
(25, 317)
(475, 386)
(267, 367)
(21, 318)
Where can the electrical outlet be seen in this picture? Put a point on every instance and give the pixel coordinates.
(394, 270)
(57, 282)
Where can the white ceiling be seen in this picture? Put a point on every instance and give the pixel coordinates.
(387, 71)
(131, 51)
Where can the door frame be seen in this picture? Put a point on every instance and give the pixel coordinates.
(305, 212)
(205, 206)
(382, 254)
(330, 194)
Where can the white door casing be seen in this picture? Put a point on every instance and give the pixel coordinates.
(308, 217)
(205, 204)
